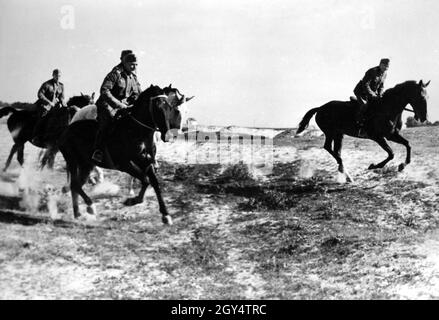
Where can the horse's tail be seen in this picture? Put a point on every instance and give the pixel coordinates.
(6, 110)
(305, 121)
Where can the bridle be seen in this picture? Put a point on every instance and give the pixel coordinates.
(161, 96)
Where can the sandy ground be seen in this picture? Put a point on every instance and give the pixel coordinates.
(270, 220)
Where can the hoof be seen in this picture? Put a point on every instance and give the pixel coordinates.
(77, 215)
(372, 167)
(401, 167)
(167, 220)
(91, 209)
(65, 189)
(132, 201)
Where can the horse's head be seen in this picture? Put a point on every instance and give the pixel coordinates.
(418, 101)
(177, 101)
(85, 100)
(152, 108)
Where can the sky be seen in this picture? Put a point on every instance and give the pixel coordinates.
(247, 62)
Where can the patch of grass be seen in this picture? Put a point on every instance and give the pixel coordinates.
(192, 173)
(203, 251)
(234, 173)
(269, 199)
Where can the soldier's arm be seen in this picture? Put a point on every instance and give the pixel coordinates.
(61, 96)
(366, 81)
(42, 93)
(381, 86)
(380, 89)
(108, 84)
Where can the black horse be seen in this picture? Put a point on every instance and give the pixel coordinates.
(127, 147)
(337, 118)
(21, 125)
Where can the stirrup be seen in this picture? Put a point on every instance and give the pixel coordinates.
(98, 155)
(362, 132)
(37, 140)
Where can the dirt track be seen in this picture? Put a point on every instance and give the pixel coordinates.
(295, 233)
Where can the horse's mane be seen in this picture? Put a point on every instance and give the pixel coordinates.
(78, 101)
(144, 97)
(399, 88)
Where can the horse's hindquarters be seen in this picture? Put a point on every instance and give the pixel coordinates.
(337, 116)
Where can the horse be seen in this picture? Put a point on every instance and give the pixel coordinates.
(337, 118)
(176, 100)
(21, 125)
(131, 136)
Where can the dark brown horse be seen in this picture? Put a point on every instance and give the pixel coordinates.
(21, 125)
(337, 118)
(129, 142)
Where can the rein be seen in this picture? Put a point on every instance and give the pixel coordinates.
(162, 96)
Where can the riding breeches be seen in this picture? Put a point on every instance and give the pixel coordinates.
(105, 120)
(362, 107)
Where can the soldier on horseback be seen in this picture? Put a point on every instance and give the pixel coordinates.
(50, 94)
(370, 88)
(119, 90)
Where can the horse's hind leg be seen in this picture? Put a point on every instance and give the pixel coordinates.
(338, 144)
(130, 182)
(396, 137)
(73, 172)
(383, 144)
(78, 178)
(336, 152)
(20, 154)
(11, 154)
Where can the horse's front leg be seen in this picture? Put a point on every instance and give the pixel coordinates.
(396, 137)
(143, 171)
(383, 144)
(166, 218)
(139, 173)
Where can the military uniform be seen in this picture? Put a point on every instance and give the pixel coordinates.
(49, 92)
(118, 90)
(369, 88)
(372, 84)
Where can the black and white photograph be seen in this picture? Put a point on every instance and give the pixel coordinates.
(212, 150)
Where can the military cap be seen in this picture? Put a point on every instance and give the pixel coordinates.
(124, 53)
(130, 57)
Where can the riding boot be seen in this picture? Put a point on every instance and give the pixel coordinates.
(104, 120)
(360, 118)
